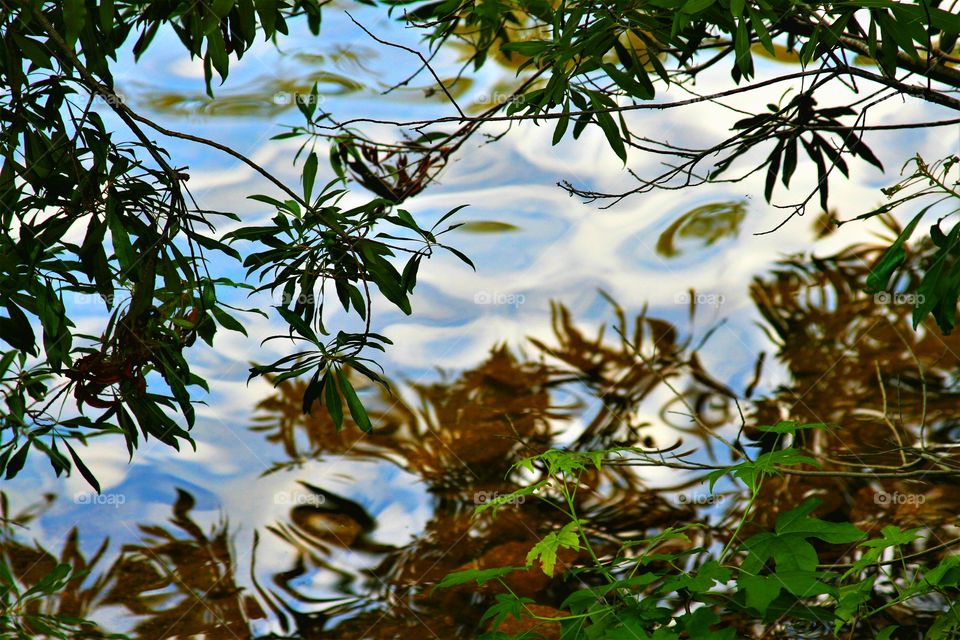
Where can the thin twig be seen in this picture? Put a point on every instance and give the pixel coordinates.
(425, 62)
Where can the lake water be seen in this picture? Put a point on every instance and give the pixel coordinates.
(278, 524)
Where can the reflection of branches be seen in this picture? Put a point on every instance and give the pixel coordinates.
(463, 438)
(173, 581)
(182, 582)
(834, 340)
(462, 435)
(64, 610)
(471, 429)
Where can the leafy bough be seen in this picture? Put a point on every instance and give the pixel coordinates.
(653, 591)
(306, 251)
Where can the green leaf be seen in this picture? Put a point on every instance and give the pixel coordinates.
(82, 468)
(267, 200)
(507, 605)
(6, 361)
(696, 6)
(217, 53)
(741, 45)
(479, 576)
(804, 584)
(788, 545)
(6, 576)
(74, 18)
(798, 521)
(357, 411)
(945, 574)
(610, 130)
(332, 400)
(582, 600)
(312, 393)
(887, 632)
(385, 276)
(50, 582)
(879, 277)
(756, 21)
(227, 321)
(562, 122)
(107, 15)
(16, 331)
(701, 581)
(222, 8)
(773, 168)
(122, 247)
(546, 550)
(760, 590)
(17, 461)
(447, 215)
(698, 622)
(789, 161)
(850, 598)
(463, 257)
(791, 553)
(940, 287)
(297, 324)
(409, 276)
(309, 175)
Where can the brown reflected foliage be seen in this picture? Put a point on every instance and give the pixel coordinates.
(854, 362)
(462, 437)
(851, 360)
(174, 582)
(29, 563)
(159, 578)
(337, 71)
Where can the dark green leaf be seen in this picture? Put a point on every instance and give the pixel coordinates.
(879, 277)
(357, 411)
(309, 175)
(332, 400)
(82, 468)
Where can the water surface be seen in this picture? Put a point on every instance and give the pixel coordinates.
(281, 525)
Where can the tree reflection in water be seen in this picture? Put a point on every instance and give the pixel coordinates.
(178, 581)
(853, 360)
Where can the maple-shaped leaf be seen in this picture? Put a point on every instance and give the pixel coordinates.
(546, 550)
